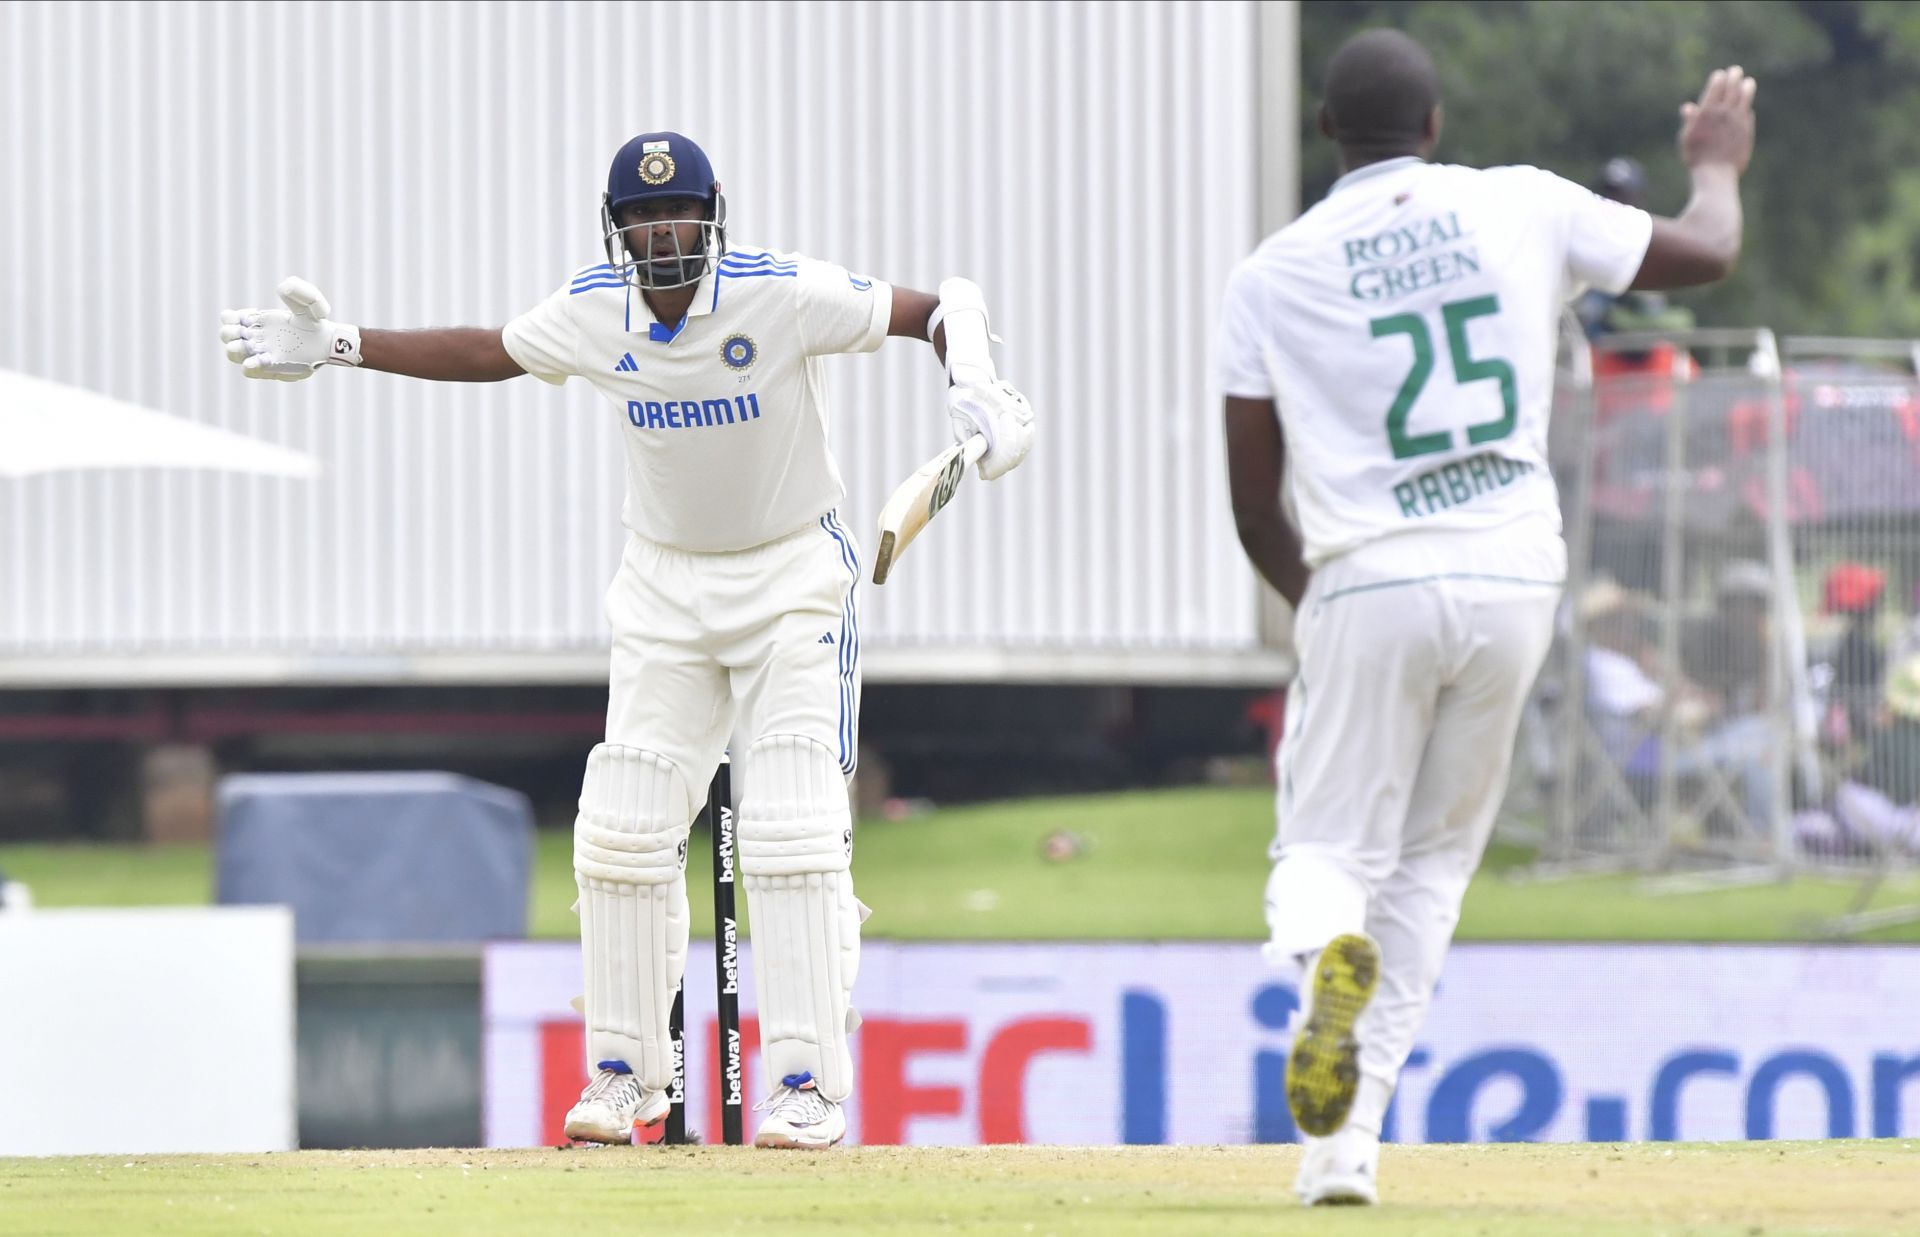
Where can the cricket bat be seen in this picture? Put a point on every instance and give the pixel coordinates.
(919, 498)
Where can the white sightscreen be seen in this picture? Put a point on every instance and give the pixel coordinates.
(1093, 166)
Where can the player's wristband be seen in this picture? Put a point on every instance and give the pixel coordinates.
(963, 310)
(345, 348)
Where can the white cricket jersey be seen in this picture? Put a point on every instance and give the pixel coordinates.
(1406, 327)
(725, 413)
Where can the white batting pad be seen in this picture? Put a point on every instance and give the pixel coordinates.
(796, 843)
(794, 816)
(629, 857)
(806, 955)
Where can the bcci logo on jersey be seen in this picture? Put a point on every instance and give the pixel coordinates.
(738, 352)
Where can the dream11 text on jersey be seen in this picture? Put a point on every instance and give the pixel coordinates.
(693, 414)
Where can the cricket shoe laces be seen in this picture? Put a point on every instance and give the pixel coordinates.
(613, 1106)
(614, 1088)
(799, 1116)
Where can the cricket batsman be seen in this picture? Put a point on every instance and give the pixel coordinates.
(733, 610)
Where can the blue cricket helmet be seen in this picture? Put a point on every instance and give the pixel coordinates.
(662, 165)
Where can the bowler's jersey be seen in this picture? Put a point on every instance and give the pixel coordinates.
(1405, 325)
(724, 413)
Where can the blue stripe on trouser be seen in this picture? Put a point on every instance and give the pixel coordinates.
(849, 652)
(849, 643)
(852, 607)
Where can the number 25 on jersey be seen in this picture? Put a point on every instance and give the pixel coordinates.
(1455, 315)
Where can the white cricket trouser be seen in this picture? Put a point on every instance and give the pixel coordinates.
(1416, 655)
(762, 645)
(750, 643)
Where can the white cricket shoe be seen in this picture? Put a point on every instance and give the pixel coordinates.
(801, 1116)
(613, 1106)
(1340, 1169)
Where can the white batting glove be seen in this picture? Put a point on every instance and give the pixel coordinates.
(1000, 414)
(289, 344)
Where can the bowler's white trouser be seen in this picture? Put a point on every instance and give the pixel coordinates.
(1416, 654)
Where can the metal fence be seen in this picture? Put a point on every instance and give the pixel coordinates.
(1736, 692)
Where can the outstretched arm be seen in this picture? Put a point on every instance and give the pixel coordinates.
(445, 354)
(1256, 461)
(291, 343)
(1716, 140)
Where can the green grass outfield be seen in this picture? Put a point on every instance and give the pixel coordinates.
(1730, 1189)
(1179, 864)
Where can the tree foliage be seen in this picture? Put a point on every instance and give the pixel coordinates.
(1833, 209)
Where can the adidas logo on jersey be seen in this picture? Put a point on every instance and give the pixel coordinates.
(826, 639)
(626, 365)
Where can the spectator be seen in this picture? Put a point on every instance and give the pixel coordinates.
(1623, 698)
(1627, 687)
(1726, 655)
(1859, 664)
(1880, 805)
